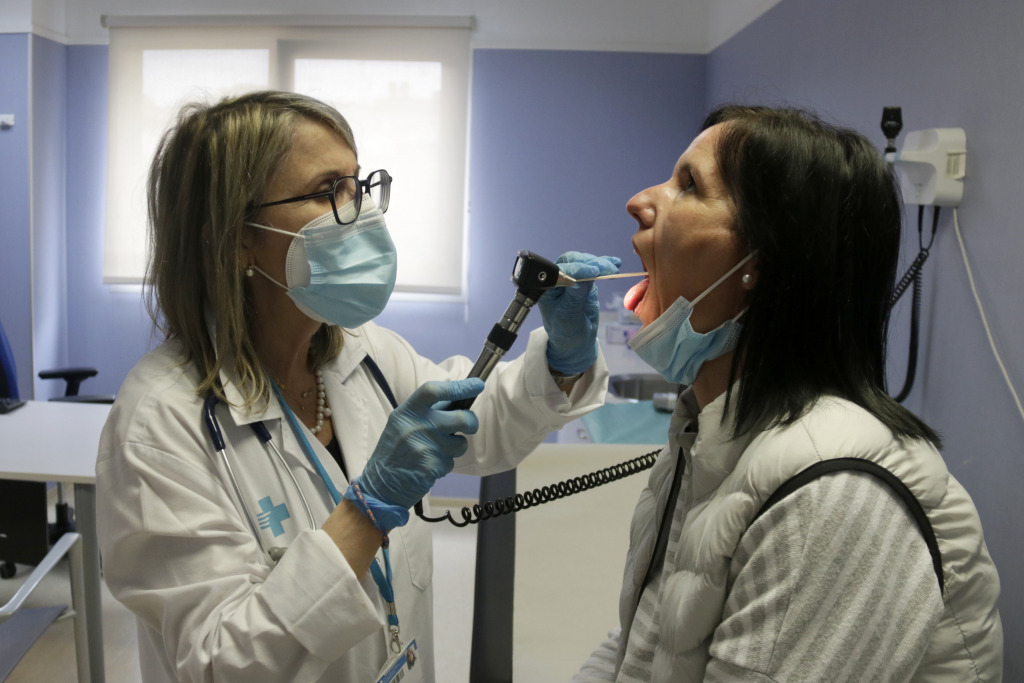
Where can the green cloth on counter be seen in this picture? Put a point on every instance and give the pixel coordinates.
(628, 423)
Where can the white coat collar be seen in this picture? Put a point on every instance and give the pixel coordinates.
(352, 353)
(336, 372)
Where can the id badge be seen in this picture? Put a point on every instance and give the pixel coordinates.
(403, 667)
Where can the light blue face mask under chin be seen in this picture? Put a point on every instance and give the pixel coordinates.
(340, 274)
(671, 346)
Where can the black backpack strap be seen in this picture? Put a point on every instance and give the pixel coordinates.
(858, 465)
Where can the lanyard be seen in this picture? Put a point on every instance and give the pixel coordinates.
(387, 591)
(383, 581)
(306, 447)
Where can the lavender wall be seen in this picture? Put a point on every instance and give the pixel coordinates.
(947, 64)
(15, 243)
(109, 328)
(49, 267)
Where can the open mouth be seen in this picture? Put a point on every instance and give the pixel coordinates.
(636, 294)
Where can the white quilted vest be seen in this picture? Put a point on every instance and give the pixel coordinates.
(726, 482)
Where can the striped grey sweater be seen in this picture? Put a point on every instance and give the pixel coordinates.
(834, 583)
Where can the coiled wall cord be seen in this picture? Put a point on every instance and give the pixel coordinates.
(913, 276)
(545, 494)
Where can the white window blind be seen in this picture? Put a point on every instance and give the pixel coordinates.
(404, 90)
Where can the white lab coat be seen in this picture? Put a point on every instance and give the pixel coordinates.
(178, 552)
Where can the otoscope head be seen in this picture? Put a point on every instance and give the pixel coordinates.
(533, 274)
(892, 124)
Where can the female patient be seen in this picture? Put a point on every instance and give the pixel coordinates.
(771, 253)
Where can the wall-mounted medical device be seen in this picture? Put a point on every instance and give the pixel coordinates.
(931, 166)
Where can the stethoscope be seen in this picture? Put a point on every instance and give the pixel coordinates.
(275, 553)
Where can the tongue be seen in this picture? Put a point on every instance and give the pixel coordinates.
(635, 294)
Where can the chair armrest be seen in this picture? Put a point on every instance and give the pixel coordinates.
(58, 551)
(73, 376)
(85, 398)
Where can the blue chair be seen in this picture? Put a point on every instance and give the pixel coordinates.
(8, 375)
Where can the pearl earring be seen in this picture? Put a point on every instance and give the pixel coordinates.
(250, 271)
(746, 279)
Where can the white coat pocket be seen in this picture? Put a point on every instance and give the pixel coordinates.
(419, 551)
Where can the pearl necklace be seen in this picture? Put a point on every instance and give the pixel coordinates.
(322, 409)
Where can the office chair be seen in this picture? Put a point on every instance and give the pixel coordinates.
(18, 543)
(73, 377)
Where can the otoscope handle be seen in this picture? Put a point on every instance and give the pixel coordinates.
(503, 334)
(498, 342)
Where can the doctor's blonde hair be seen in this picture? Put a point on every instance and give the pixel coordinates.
(210, 171)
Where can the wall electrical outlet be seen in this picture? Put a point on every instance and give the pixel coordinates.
(6, 120)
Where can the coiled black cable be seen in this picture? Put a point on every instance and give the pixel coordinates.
(545, 494)
(914, 271)
(915, 325)
(913, 276)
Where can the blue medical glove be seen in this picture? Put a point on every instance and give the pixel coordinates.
(418, 446)
(571, 314)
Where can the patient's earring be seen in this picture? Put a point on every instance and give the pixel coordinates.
(250, 271)
(746, 279)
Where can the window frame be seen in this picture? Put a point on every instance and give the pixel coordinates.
(363, 39)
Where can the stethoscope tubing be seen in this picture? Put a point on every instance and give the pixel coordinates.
(263, 434)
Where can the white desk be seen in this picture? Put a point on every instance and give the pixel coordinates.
(57, 441)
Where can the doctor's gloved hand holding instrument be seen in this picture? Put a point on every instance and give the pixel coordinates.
(533, 275)
(571, 313)
(419, 446)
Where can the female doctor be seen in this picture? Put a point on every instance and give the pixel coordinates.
(284, 551)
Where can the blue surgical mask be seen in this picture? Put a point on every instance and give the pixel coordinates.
(340, 274)
(671, 346)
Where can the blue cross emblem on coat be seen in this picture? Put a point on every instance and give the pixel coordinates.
(273, 515)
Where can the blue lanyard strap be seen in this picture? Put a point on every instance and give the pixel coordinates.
(384, 582)
(310, 453)
(387, 592)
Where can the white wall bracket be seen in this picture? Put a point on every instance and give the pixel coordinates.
(932, 165)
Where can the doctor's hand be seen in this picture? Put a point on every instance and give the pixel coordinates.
(420, 443)
(571, 314)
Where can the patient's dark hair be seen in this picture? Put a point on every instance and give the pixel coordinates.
(821, 208)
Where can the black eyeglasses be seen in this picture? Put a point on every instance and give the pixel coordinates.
(347, 189)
